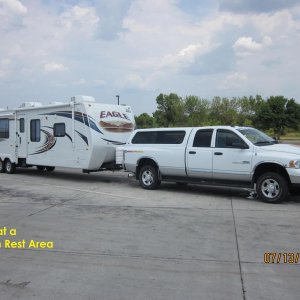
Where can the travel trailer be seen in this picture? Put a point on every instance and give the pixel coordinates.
(80, 134)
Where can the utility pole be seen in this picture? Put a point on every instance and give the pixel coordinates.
(118, 97)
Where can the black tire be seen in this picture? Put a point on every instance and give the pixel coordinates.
(148, 177)
(10, 168)
(2, 166)
(50, 169)
(40, 168)
(295, 191)
(272, 187)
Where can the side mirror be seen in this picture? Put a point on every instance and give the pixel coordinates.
(240, 145)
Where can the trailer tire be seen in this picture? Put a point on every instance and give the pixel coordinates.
(148, 177)
(272, 188)
(2, 166)
(50, 169)
(10, 168)
(40, 168)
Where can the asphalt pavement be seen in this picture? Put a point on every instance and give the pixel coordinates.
(100, 236)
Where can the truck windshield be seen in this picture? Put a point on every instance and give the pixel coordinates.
(257, 137)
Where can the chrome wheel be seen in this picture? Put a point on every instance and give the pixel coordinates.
(8, 166)
(147, 178)
(270, 188)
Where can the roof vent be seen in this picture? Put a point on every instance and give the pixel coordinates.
(81, 98)
(30, 104)
(56, 103)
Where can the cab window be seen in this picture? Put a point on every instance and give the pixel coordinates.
(203, 138)
(159, 137)
(228, 139)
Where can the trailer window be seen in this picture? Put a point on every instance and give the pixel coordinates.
(4, 128)
(22, 125)
(59, 129)
(159, 137)
(203, 138)
(35, 130)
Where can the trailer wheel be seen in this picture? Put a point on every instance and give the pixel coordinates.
(2, 166)
(40, 168)
(272, 187)
(10, 167)
(148, 177)
(50, 169)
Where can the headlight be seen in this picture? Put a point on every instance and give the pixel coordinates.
(294, 164)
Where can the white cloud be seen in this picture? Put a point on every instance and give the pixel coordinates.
(5, 67)
(185, 56)
(54, 67)
(100, 82)
(234, 81)
(14, 7)
(80, 81)
(245, 46)
(150, 46)
(80, 18)
(274, 23)
(133, 81)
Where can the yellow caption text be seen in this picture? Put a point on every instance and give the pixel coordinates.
(8, 241)
(281, 258)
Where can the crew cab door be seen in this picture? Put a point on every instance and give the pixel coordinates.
(199, 154)
(232, 157)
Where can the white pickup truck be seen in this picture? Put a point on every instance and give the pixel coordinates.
(216, 155)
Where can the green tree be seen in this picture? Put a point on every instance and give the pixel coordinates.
(196, 111)
(278, 113)
(145, 121)
(247, 108)
(224, 111)
(170, 111)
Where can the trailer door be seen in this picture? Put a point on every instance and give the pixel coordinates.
(22, 136)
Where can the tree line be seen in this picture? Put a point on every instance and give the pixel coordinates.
(275, 114)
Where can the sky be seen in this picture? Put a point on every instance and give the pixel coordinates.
(137, 49)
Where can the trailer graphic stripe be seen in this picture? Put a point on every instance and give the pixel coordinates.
(48, 145)
(83, 137)
(66, 134)
(80, 117)
(114, 142)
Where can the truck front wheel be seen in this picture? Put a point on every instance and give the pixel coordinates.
(272, 187)
(148, 177)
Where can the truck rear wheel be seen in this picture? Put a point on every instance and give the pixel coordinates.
(148, 177)
(272, 187)
(40, 168)
(10, 167)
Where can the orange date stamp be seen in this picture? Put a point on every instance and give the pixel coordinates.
(281, 258)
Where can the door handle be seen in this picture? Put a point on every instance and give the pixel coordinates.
(192, 152)
(218, 153)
